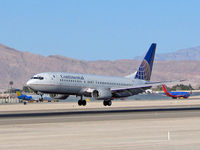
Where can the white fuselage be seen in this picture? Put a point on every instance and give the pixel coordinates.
(76, 84)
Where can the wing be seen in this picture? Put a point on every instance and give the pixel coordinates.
(133, 90)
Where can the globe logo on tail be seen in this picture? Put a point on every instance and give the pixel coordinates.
(144, 71)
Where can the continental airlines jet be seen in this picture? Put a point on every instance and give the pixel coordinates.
(60, 85)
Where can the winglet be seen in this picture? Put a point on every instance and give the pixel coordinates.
(145, 69)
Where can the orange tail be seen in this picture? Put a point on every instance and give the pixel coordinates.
(165, 89)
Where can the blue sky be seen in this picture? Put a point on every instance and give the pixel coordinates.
(99, 29)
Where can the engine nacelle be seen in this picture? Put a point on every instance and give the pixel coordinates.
(59, 96)
(101, 94)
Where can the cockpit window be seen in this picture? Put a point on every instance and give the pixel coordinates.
(40, 78)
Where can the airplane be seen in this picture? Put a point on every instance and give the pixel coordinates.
(106, 88)
(175, 95)
(30, 98)
(23, 97)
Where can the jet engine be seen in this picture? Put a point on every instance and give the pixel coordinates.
(59, 96)
(101, 94)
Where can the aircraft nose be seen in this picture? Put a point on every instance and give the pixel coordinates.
(29, 83)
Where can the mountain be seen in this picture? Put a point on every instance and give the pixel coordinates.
(19, 66)
(183, 54)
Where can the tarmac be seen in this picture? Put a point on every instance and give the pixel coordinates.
(169, 124)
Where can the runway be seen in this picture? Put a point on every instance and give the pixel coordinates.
(103, 114)
(113, 128)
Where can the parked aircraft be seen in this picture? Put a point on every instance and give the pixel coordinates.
(175, 95)
(105, 88)
(31, 98)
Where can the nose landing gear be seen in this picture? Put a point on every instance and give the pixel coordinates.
(41, 99)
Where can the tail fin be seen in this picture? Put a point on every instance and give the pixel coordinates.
(18, 93)
(145, 69)
(165, 89)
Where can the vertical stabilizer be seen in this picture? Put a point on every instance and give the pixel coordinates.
(18, 93)
(165, 89)
(145, 69)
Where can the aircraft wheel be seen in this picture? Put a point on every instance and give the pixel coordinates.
(105, 103)
(41, 100)
(25, 103)
(84, 102)
(109, 103)
(80, 102)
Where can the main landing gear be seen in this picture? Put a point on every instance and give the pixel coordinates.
(82, 102)
(107, 103)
